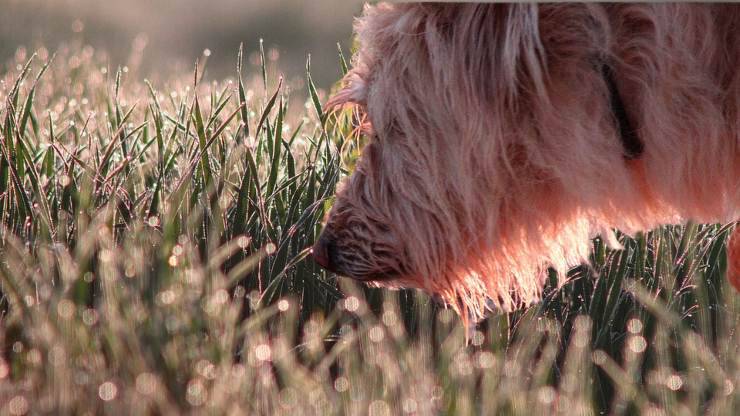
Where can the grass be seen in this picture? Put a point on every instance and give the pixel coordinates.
(152, 261)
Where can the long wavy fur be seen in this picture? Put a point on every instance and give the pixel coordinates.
(495, 153)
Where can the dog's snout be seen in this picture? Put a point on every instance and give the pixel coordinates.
(321, 252)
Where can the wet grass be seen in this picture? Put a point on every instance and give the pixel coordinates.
(152, 260)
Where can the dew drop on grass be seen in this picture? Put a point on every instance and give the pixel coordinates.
(239, 292)
(90, 317)
(65, 309)
(30, 300)
(18, 405)
(167, 297)
(288, 397)
(34, 356)
(195, 393)
(599, 357)
(243, 242)
(674, 382)
(270, 249)
(351, 304)
(130, 271)
(376, 334)
(263, 352)
(341, 384)
(221, 297)
(64, 181)
(485, 359)
(106, 256)
(729, 387)
(107, 391)
(206, 369)
(478, 338)
(409, 405)
(637, 344)
(634, 326)
(390, 318)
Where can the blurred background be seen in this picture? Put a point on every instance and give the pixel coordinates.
(157, 37)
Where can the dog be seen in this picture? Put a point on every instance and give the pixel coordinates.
(502, 138)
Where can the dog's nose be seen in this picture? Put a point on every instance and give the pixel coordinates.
(321, 252)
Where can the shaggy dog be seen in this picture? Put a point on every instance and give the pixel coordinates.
(504, 137)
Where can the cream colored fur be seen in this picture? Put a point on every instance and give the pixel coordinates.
(494, 152)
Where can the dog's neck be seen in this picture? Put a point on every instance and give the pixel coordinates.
(633, 146)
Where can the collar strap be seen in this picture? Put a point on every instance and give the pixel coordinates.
(631, 143)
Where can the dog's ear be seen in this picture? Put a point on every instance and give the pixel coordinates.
(354, 91)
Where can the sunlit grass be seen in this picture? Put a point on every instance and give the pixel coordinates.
(153, 261)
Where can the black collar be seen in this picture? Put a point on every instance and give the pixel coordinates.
(631, 143)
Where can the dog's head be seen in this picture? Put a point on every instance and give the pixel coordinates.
(455, 172)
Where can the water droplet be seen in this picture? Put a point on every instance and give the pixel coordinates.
(243, 241)
(634, 326)
(674, 382)
(376, 334)
(107, 391)
(270, 249)
(65, 309)
(263, 352)
(352, 304)
(196, 392)
(341, 384)
(18, 405)
(637, 344)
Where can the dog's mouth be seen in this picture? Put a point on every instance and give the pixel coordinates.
(331, 257)
(380, 277)
(342, 269)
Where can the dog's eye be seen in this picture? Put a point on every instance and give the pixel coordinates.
(391, 131)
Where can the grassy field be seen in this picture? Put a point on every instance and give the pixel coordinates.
(153, 261)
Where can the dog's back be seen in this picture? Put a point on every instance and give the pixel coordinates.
(676, 68)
